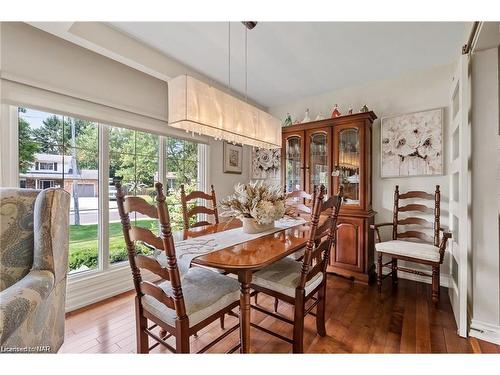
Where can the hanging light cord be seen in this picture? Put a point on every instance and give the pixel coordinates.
(246, 64)
(229, 56)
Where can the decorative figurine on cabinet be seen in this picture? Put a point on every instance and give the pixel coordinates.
(288, 120)
(320, 116)
(364, 109)
(350, 111)
(335, 112)
(306, 117)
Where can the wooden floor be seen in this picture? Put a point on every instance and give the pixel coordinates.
(359, 320)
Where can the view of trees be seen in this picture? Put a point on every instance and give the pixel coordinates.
(133, 156)
(133, 159)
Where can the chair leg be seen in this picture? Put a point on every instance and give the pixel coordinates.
(182, 336)
(320, 311)
(394, 272)
(435, 284)
(141, 324)
(222, 321)
(379, 272)
(276, 302)
(298, 325)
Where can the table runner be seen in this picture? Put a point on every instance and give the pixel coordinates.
(187, 250)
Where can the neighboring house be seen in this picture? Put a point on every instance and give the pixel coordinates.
(55, 171)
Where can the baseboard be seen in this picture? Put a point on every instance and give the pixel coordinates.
(86, 289)
(485, 331)
(445, 279)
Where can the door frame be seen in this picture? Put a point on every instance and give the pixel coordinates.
(459, 138)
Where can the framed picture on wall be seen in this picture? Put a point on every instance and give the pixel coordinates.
(233, 158)
(412, 144)
(265, 163)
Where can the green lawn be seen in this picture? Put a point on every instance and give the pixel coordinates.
(83, 243)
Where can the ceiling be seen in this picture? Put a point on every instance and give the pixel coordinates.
(287, 60)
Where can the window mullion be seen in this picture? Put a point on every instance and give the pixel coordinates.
(161, 162)
(103, 258)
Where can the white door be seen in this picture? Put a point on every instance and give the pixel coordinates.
(460, 193)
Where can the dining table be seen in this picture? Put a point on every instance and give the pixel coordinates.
(246, 257)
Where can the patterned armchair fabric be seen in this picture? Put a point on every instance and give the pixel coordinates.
(34, 240)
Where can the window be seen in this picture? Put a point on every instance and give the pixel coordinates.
(74, 144)
(61, 151)
(182, 166)
(47, 166)
(133, 160)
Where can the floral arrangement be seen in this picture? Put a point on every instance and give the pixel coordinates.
(263, 202)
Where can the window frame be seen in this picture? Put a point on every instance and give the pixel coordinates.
(104, 265)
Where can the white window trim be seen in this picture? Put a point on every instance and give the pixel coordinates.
(87, 287)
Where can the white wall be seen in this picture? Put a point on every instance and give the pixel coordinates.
(224, 182)
(413, 92)
(92, 86)
(485, 195)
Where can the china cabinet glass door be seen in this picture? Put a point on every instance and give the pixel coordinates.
(318, 162)
(347, 168)
(294, 154)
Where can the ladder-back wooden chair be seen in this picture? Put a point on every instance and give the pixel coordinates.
(179, 306)
(413, 244)
(295, 202)
(298, 282)
(188, 213)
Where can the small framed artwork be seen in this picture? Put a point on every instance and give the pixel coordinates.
(412, 144)
(233, 158)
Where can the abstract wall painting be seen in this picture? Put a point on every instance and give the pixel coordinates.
(266, 164)
(412, 144)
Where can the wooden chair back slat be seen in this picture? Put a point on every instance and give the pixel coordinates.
(200, 210)
(198, 195)
(416, 207)
(138, 204)
(188, 213)
(323, 229)
(152, 265)
(417, 194)
(416, 221)
(200, 224)
(330, 203)
(158, 293)
(416, 234)
(320, 252)
(145, 235)
(317, 268)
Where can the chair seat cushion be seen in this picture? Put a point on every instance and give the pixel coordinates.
(298, 254)
(205, 292)
(283, 276)
(415, 250)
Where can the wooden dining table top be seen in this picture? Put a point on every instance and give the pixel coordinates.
(250, 255)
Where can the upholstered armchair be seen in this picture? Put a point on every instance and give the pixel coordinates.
(34, 240)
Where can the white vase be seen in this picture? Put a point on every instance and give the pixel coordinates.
(251, 226)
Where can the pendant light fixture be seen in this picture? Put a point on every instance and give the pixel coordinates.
(199, 108)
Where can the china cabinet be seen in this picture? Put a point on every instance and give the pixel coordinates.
(335, 152)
